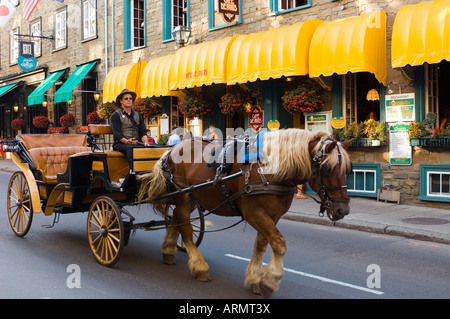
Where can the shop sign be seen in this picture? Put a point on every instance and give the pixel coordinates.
(256, 118)
(229, 10)
(26, 60)
(164, 124)
(338, 122)
(273, 125)
(400, 107)
(400, 152)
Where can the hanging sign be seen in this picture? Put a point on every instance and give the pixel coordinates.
(338, 122)
(256, 118)
(273, 125)
(399, 147)
(229, 10)
(26, 60)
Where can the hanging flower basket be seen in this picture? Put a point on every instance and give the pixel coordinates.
(93, 118)
(67, 120)
(18, 124)
(146, 107)
(41, 122)
(104, 110)
(192, 106)
(235, 101)
(303, 98)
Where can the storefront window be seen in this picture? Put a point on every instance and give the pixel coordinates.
(176, 116)
(175, 13)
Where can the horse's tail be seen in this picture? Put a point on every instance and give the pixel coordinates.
(153, 185)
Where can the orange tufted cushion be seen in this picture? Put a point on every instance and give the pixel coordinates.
(53, 160)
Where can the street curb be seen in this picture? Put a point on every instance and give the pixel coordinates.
(376, 228)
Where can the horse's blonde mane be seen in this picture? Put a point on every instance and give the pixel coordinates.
(286, 154)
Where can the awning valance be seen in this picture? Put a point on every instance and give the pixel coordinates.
(421, 33)
(271, 54)
(5, 89)
(126, 76)
(155, 77)
(200, 64)
(64, 93)
(353, 44)
(37, 96)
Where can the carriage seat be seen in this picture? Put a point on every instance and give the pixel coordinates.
(50, 152)
(51, 161)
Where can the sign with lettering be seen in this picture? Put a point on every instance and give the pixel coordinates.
(400, 107)
(229, 10)
(256, 118)
(26, 60)
(400, 152)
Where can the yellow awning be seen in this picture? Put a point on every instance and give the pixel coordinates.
(200, 64)
(421, 33)
(354, 44)
(271, 54)
(155, 77)
(123, 77)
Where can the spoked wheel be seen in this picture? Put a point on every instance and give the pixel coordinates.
(20, 210)
(198, 227)
(105, 231)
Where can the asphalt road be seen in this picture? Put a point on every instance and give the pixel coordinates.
(321, 262)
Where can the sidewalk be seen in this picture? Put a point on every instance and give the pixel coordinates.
(417, 222)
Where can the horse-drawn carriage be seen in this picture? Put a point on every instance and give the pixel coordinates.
(68, 173)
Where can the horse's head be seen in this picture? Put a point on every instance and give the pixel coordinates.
(330, 165)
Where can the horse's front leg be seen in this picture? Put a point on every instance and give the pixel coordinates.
(254, 267)
(270, 275)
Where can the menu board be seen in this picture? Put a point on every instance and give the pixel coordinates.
(399, 147)
(400, 107)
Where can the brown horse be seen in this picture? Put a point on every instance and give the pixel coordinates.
(261, 196)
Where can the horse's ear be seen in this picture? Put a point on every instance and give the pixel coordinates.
(330, 146)
(346, 143)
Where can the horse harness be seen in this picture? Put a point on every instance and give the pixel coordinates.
(249, 188)
(327, 203)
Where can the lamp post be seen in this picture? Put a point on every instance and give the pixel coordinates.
(181, 34)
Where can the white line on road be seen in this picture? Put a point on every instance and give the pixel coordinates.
(324, 279)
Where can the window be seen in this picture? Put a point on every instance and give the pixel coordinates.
(89, 19)
(134, 24)
(435, 182)
(177, 117)
(432, 90)
(218, 20)
(61, 29)
(36, 30)
(13, 46)
(364, 180)
(175, 13)
(349, 88)
(282, 6)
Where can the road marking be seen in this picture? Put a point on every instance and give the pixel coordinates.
(324, 279)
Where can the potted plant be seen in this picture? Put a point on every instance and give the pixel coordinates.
(82, 129)
(41, 122)
(192, 106)
(163, 139)
(104, 110)
(305, 97)
(236, 100)
(415, 131)
(374, 131)
(94, 118)
(67, 120)
(146, 107)
(18, 125)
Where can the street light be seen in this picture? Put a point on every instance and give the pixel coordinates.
(96, 96)
(181, 34)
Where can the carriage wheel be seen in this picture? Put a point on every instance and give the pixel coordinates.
(105, 231)
(198, 228)
(20, 210)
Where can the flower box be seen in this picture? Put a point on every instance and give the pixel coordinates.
(365, 142)
(431, 142)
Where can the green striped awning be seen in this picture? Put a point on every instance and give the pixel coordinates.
(64, 93)
(5, 89)
(37, 96)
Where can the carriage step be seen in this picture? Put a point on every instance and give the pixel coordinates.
(152, 225)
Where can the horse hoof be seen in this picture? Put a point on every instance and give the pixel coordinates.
(255, 289)
(203, 276)
(169, 259)
(266, 291)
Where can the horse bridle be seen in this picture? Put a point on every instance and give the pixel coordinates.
(327, 201)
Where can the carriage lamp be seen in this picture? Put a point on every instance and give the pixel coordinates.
(373, 95)
(96, 96)
(69, 102)
(44, 103)
(16, 108)
(181, 34)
